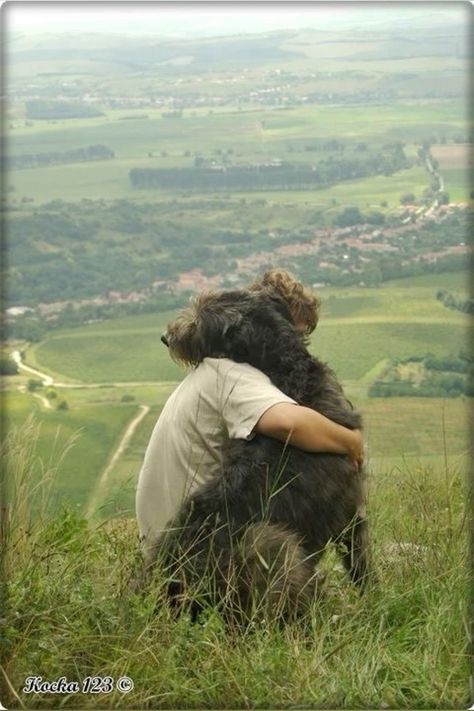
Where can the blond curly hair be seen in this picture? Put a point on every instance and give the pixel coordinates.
(303, 302)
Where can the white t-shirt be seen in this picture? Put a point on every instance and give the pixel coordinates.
(217, 401)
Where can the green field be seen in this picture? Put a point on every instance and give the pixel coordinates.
(357, 329)
(113, 358)
(458, 183)
(109, 358)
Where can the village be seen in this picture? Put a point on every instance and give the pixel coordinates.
(342, 250)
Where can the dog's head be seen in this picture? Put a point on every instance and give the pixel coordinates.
(244, 326)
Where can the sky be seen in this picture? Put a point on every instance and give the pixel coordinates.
(182, 19)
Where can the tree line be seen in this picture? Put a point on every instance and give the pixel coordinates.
(74, 155)
(455, 301)
(443, 376)
(46, 109)
(285, 176)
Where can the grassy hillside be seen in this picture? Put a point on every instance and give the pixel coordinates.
(403, 644)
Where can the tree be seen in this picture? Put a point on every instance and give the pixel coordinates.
(7, 366)
(348, 217)
(375, 218)
(407, 198)
(126, 397)
(372, 275)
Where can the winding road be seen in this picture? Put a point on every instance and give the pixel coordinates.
(16, 357)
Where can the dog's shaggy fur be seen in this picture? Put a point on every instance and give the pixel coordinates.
(252, 535)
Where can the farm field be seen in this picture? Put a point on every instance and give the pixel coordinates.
(113, 358)
(391, 319)
(110, 181)
(241, 130)
(262, 134)
(456, 166)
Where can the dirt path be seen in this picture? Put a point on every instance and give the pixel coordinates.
(44, 401)
(16, 356)
(99, 489)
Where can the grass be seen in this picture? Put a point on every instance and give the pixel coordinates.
(406, 298)
(118, 498)
(92, 429)
(370, 192)
(403, 644)
(110, 358)
(446, 280)
(457, 183)
(344, 345)
(404, 432)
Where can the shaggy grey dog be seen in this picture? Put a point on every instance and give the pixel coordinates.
(250, 537)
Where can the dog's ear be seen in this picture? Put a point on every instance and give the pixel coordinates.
(253, 330)
(229, 329)
(217, 323)
(231, 324)
(239, 338)
(232, 329)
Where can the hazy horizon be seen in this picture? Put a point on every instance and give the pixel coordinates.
(188, 19)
